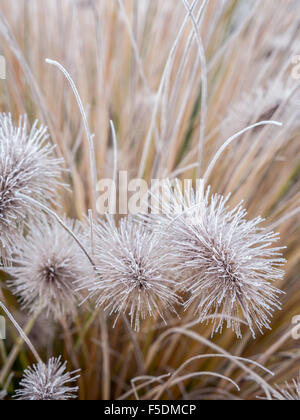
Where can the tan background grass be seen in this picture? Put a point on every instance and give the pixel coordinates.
(247, 48)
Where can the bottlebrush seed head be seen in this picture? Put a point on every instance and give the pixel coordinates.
(27, 166)
(48, 262)
(47, 382)
(225, 261)
(132, 270)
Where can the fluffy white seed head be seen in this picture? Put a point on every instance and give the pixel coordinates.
(27, 166)
(47, 382)
(224, 261)
(132, 272)
(47, 264)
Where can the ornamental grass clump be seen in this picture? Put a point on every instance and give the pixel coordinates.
(164, 305)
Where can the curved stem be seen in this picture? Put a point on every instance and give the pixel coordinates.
(164, 77)
(14, 353)
(86, 126)
(204, 89)
(59, 220)
(21, 332)
(115, 169)
(229, 141)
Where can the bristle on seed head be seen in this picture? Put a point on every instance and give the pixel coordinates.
(291, 392)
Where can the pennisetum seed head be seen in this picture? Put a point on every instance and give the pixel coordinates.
(225, 261)
(132, 272)
(27, 166)
(47, 382)
(47, 263)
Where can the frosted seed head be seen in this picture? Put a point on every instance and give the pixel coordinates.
(133, 276)
(47, 382)
(27, 166)
(226, 263)
(48, 262)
